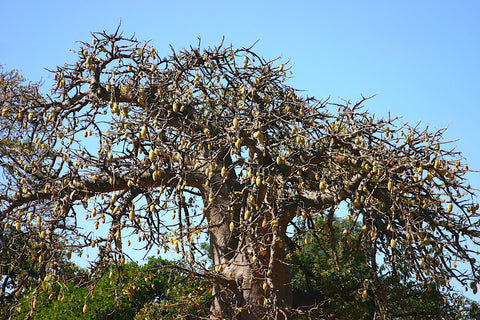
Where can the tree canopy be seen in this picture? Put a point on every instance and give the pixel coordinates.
(212, 141)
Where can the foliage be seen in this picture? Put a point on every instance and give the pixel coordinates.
(332, 276)
(330, 270)
(213, 142)
(157, 284)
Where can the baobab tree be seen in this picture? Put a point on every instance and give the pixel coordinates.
(214, 142)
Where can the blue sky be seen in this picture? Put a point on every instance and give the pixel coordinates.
(421, 58)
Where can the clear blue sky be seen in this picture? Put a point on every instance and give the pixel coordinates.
(422, 58)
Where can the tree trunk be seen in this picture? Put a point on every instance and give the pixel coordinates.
(240, 292)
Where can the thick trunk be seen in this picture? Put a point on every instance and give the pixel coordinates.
(253, 288)
(243, 296)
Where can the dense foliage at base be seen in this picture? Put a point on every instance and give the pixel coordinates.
(333, 281)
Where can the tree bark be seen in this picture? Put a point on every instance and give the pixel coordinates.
(248, 291)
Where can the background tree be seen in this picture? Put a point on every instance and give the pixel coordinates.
(151, 291)
(213, 141)
(329, 271)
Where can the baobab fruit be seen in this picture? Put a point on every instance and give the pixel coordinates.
(393, 244)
